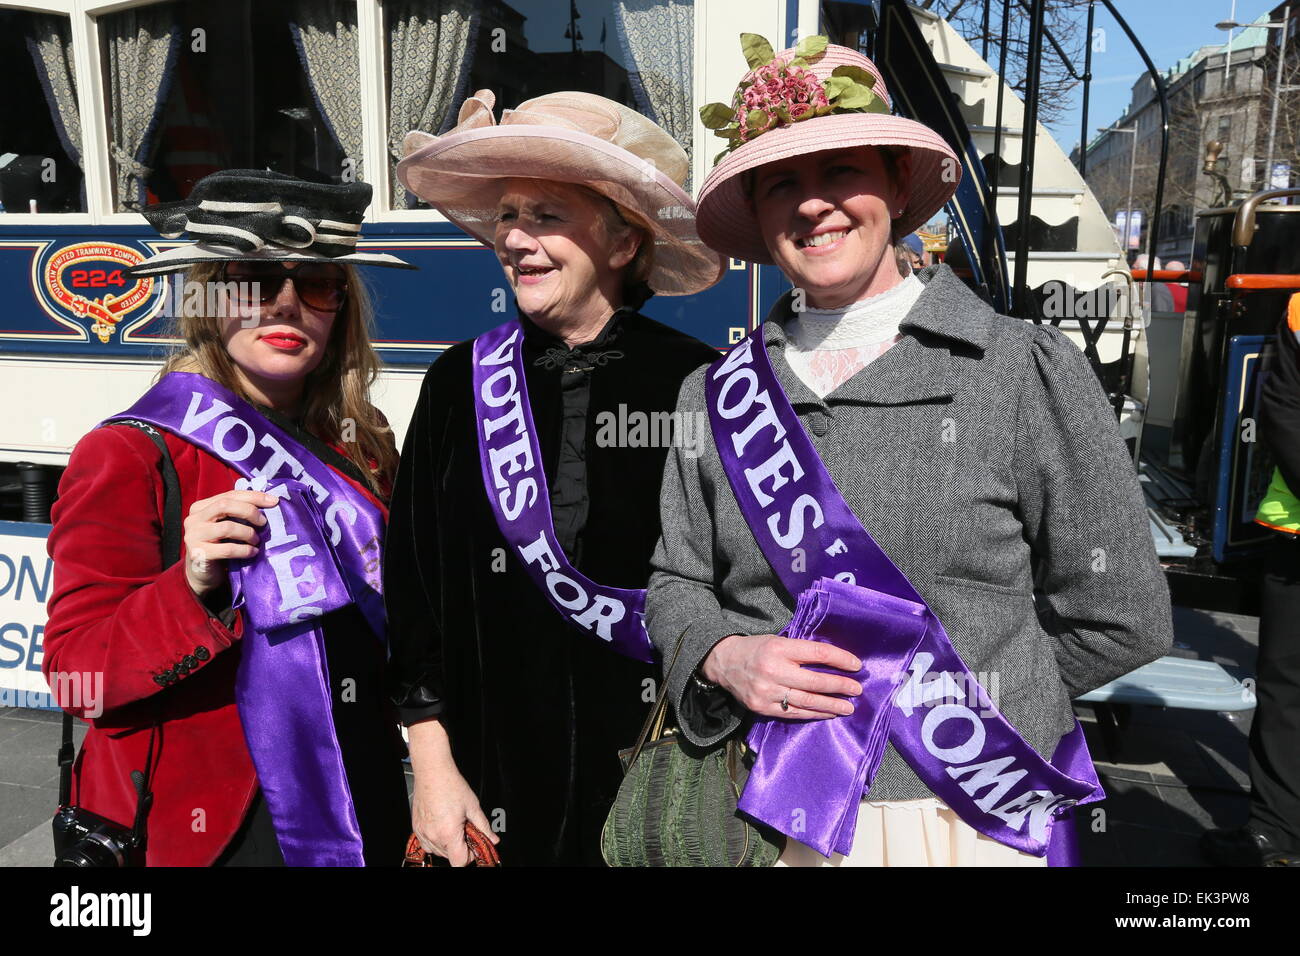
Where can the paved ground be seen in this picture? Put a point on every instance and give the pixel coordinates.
(1179, 772)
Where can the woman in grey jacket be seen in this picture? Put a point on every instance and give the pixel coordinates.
(977, 450)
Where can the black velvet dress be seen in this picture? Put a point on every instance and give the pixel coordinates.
(536, 710)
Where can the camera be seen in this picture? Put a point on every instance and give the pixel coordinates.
(84, 839)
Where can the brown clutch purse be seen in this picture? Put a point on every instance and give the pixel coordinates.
(481, 850)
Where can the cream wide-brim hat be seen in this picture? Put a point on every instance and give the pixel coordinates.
(723, 216)
(569, 137)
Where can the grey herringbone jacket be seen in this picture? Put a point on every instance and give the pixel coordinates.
(980, 453)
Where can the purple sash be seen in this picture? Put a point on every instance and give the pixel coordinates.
(809, 776)
(517, 493)
(319, 551)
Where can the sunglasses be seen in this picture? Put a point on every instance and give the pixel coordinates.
(322, 286)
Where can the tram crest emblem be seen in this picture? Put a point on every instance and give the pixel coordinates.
(88, 280)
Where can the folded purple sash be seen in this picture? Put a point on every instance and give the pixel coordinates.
(319, 551)
(809, 777)
(515, 484)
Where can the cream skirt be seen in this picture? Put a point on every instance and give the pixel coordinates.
(912, 833)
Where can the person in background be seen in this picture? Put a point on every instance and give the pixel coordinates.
(1271, 833)
(1160, 298)
(916, 251)
(1177, 290)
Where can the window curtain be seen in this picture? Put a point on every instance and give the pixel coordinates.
(430, 50)
(49, 41)
(325, 34)
(657, 38)
(142, 48)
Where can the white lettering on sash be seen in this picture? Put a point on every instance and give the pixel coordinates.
(489, 396)
(936, 717)
(279, 536)
(1037, 804)
(224, 427)
(604, 611)
(515, 415)
(918, 692)
(596, 613)
(733, 367)
(999, 773)
(555, 580)
(727, 410)
(525, 497)
(291, 595)
(317, 489)
(194, 419)
(503, 353)
(518, 455)
(331, 519)
(792, 538)
(740, 440)
(988, 774)
(741, 355)
(539, 552)
(280, 457)
(771, 468)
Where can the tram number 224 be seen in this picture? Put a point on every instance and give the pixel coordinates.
(95, 278)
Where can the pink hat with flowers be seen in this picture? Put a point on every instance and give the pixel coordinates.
(806, 99)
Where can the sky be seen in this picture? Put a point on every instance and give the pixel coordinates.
(1168, 29)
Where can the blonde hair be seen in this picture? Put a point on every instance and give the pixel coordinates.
(336, 392)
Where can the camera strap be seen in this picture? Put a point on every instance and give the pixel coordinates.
(171, 550)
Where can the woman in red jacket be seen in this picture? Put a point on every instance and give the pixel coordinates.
(256, 684)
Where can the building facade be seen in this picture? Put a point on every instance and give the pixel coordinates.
(1222, 92)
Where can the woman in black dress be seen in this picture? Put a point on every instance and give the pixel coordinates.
(516, 714)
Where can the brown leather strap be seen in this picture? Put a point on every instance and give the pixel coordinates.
(653, 728)
(481, 850)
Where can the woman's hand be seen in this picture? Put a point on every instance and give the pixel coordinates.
(439, 809)
(442, 801)
(762, 670)
(223, 526)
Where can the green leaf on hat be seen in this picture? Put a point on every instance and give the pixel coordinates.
(856, 97)
(877, 105)
(836, 86)
(759, 119)
(800, 62)
(855, 73)
(811, 48)
(758, 52)
(728, 132)
(716, 115)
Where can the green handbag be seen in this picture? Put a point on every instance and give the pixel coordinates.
(677, 803)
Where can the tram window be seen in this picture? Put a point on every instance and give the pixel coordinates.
(40, 128)
(194, 87)
(637, 52)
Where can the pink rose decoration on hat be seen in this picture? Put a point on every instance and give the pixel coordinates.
(778, 92)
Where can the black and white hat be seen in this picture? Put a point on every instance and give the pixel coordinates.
(241, 214)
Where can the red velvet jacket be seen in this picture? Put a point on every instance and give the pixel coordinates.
(115, 611)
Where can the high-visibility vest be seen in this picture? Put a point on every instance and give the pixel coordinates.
(1280, 509)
